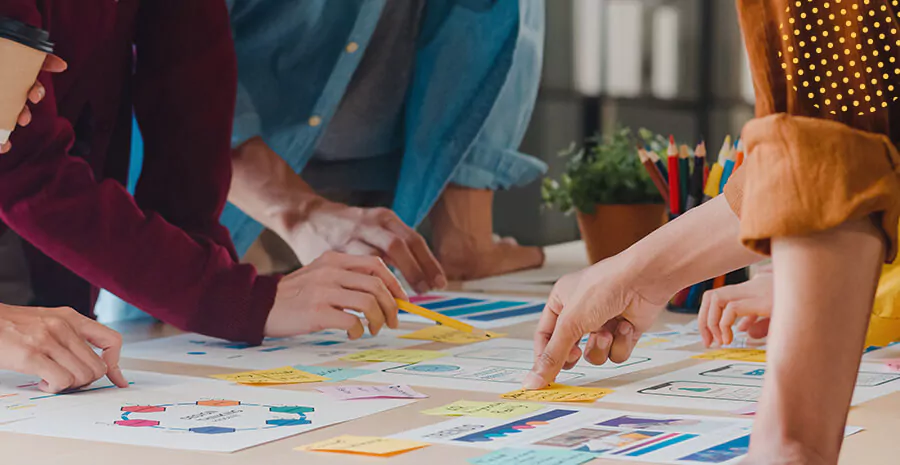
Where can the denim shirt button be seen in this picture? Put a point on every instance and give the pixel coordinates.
(315, 121)
(352, 47)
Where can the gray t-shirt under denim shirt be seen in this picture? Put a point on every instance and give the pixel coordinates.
(363, 144)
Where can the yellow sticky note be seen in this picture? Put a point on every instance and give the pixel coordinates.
(283, 375)
(394, 355)
(559, 393)
(439, 333)
(467, 408)
(365, 445)
(739, 355)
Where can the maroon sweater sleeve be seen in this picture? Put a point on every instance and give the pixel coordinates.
(95, 228)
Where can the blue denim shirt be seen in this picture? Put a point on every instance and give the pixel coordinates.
(475, 81)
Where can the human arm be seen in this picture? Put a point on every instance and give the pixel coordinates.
(55, 344)
(619, 298)
(52, 64)
(266, 188)
(824, 288)
(96, 229)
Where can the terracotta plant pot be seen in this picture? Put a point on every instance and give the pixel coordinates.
(614, 228)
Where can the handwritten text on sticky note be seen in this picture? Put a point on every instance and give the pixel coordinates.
(559, 393)
(365, 445)
(283, 375)
(334, 374)
(449, 335)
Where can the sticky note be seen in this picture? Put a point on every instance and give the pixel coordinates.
(893, 364)
(533, 457)
(559, 393)
(449, 335)
(396, 391)
(467, 408)
(334, 374)
(739, 355)
(394, 355)
(283, 375)
(365, 445)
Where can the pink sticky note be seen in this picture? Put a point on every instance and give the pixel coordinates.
(749, 409)
(396, 391)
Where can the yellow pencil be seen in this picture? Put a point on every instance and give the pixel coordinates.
(440, 319)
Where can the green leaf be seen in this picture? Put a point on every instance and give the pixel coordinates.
(610, 172)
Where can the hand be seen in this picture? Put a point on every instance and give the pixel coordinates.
(602, 301)
(315, 297)
(376, 232)
(721, 307)
(55, 344)
(53, 64)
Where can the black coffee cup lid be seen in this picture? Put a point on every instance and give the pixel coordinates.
(24, 34)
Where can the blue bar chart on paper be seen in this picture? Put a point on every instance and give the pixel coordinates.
(479, 310)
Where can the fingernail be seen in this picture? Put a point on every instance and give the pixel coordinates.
(440, 282)
(624, 329)
(533, 381)
(422, 287)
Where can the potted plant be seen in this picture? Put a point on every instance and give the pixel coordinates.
(610, 191)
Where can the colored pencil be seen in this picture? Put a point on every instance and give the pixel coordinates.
(654, 157)
(727, 168)
(654, 174)
(696, 185)
(674, 178)
(684, 171)
(439, 318)
(715, 173)
(739, 157)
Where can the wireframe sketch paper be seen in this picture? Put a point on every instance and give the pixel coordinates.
(645, 437)
(725, 385)
(501, 365)
(310, 349)
(188, 413)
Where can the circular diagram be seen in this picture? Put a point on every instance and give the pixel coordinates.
(217, 416)
(432, 368)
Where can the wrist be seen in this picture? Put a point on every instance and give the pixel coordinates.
(654, 277)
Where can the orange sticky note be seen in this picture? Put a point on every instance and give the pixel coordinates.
(559, 393)
(365, 445)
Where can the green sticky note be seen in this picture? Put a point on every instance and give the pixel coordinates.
(334, 374)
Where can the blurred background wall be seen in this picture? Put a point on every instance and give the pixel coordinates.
(671, 66)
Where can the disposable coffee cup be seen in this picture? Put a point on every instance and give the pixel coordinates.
(23, 49)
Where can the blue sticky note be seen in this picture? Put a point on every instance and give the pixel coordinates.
(533, 457)
(334, 374)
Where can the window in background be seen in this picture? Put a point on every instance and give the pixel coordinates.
(624, 47)
(587, 24)
(665, 52)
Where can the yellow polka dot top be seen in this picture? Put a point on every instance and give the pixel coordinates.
(833, 59)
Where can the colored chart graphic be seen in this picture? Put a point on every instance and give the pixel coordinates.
(481, 310)
(723, 452)
(213, 416)
(516, 427)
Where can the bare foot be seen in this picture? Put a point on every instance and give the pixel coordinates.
(464, 242)
(464, 260)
